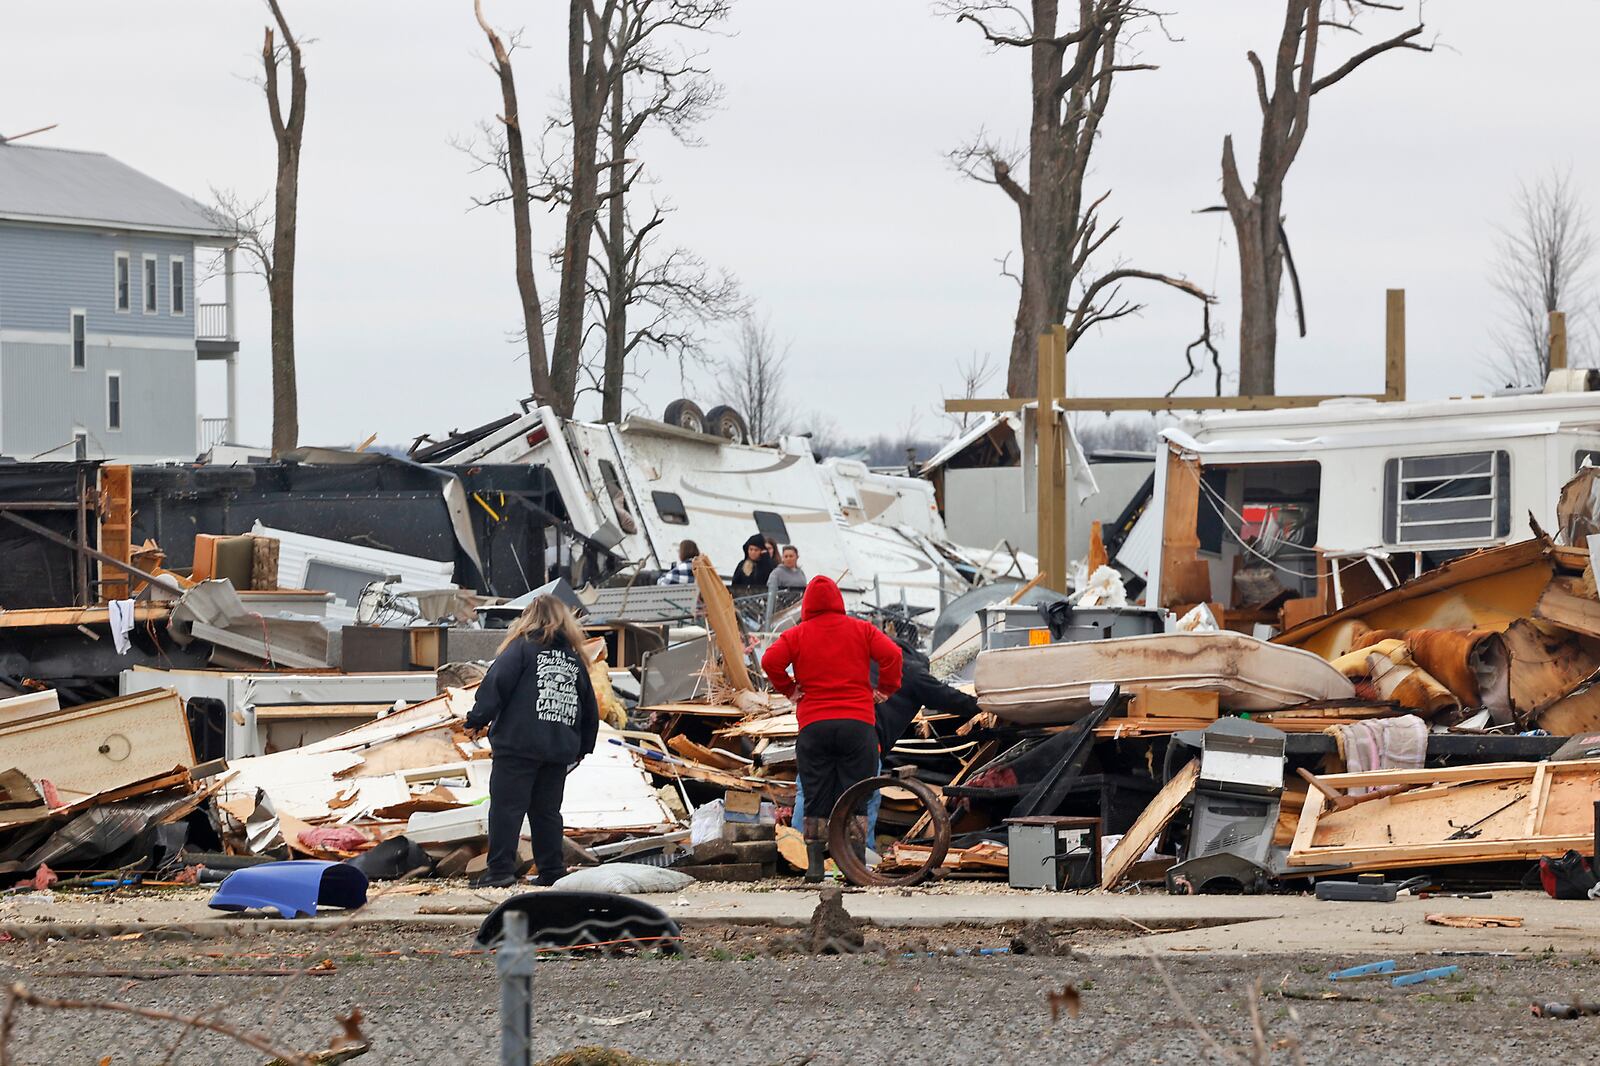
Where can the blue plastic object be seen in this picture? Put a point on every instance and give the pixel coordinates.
(293, 889)
(1423, 975)
(1364, 970)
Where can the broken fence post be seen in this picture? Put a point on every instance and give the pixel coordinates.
(514, 962)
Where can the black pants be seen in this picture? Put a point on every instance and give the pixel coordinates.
(834, 754)
(525, 788)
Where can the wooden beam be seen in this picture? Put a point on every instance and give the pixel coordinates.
(724, 622)
(1052, 546)
(1558, 340)
(1159, 403)
(1394, 345)
(116, 530)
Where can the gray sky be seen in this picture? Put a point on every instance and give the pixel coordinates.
(823, 186)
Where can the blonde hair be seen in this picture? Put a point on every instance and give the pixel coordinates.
(546, 621)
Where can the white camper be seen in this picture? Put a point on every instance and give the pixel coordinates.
(642, 486)
(1372, 493)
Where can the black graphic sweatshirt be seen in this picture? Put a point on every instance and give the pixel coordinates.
(538, 704)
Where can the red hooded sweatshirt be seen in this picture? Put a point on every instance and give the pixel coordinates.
(830, 653)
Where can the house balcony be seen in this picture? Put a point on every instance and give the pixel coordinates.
(214, 336)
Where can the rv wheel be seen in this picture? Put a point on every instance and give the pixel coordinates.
(724, 421)
(685, 414)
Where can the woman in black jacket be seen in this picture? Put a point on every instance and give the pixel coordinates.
(538, 707)
(750, 575)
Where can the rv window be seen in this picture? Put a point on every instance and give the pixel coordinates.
(619, 500)
(669, 505)
(771, 525)
(1585, 457)
(1442, 498)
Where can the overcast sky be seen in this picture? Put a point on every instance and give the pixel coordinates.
(823, 186)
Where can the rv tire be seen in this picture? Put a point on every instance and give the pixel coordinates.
(685, 414)
(724, 421)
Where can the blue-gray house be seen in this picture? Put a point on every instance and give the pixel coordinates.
(100, 332)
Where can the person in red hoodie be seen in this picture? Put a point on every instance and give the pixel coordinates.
(831, 654)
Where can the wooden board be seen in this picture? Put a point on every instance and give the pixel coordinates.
(716, 758)
(1152, 702)
(29, 618)
(1565, 603)
(116, 528)
(1148, 826)
(723, 621)
(1508, 811)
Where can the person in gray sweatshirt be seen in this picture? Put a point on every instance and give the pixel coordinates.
(787, 574)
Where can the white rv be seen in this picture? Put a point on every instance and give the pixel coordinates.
(643, 486)
(1364, 493)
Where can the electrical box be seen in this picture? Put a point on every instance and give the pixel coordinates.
(1054, 853)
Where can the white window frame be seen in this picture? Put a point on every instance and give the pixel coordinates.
(73, 314)
(114, 375)
(150, 284)
(121, 261)
(176, 262)
(1492, 475)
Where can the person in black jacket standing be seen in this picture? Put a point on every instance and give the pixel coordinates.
(538, 707)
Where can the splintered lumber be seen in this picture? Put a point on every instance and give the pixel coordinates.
(716, 758)
(982, 859)
(724, 623)
(1475, 921)
(1491, 813)
(1148, 826)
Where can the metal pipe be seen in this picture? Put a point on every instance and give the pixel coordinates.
(514, 962)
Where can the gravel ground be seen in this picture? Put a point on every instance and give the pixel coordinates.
(427, 998)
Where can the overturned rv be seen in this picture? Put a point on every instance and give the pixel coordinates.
(1279, 516)
(640, 486)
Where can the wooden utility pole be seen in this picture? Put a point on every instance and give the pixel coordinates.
(1558, 340)
(1052, 465)
(1394, 345)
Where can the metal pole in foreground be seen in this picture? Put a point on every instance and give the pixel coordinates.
(514, 962)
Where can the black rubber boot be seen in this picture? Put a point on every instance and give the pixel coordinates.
(816, 853)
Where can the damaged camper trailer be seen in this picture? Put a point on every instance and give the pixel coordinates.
(1279, 516)
(641, 486)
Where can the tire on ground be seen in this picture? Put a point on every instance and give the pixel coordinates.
(685, 414)
(724, 421)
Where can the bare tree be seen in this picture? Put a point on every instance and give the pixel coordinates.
(511, 157)
(753, 381)
(1070, 79)
(248, 224)
(288, 129)
(644, 296)
(1257, 215)
(975, 375)
(589, 29)
(1544, 263)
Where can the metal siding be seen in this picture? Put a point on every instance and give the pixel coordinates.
(44, 272)
(42, 398)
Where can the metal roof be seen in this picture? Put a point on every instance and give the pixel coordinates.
(67, 187)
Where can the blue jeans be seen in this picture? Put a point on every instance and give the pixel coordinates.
(873, 803)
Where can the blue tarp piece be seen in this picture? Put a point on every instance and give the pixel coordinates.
(292, 888)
